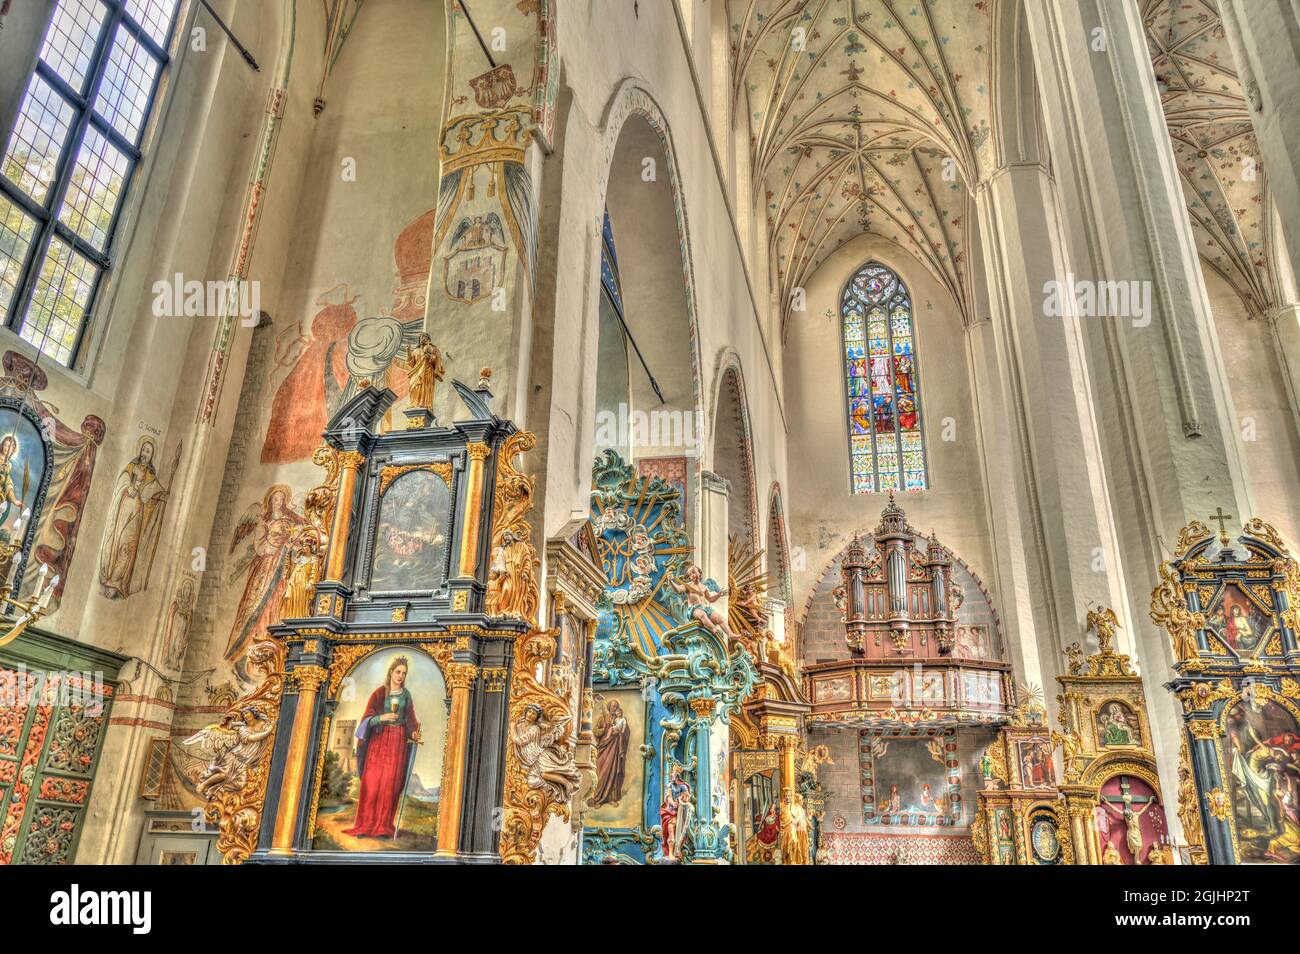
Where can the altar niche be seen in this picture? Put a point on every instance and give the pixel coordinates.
(392, 738)
(1231, 616)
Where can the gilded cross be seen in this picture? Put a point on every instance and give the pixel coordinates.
(1221, 519)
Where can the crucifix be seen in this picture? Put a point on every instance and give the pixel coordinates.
(1221, 519)
(1122, 805)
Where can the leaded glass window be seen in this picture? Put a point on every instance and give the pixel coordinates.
(69, 159)
(886, 449)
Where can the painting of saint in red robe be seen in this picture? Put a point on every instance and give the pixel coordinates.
(381, 781)
(318, 373)
(386, 737)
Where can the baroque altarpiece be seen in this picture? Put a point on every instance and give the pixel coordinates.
(1231, 616)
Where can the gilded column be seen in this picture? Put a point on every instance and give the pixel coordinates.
(308, 679)
(1080, 806)
(349, 464)
(460, 679)
(478, 453)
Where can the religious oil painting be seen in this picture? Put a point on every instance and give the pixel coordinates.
(380, 783)
(618, 724)
(1239, 622)
(412, 534)
(1261, 751)
(762, 820)
(1044, 842)
(22, 473)
(910, 779)
(1117, 725)
(1035, 757)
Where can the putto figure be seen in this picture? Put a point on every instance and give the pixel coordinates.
(699, 599)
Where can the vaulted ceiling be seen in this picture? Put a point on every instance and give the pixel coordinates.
(1214, 144)
(864, 116)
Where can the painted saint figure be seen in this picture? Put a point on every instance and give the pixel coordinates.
(8, 497)
(674, 815)
(135, 519)
(386, 738)
(424, 369)
(1115, 727)
(273, 522)
(612, 737)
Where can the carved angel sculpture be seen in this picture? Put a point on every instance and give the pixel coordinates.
(227, 750)
(544, 752)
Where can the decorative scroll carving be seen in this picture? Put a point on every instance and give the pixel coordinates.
(512, 581)
(1169, 609)
(389, 474)
(540, 775)
(237, 813)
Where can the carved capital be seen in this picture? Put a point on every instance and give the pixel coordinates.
(308, 678)
(351, 460)
(478, 450)
(460, 675)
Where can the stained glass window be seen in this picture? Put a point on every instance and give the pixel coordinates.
(886, 451)
(69, 158)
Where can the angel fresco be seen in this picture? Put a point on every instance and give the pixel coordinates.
(135, 519)
(272, 524)
(476, 263)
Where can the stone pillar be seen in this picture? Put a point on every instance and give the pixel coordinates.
(711, 549)
(1165, 418)
(1265, 40)
(1052, 428)
(1016, 584)
(1285, 322)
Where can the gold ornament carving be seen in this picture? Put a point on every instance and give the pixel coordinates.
(477, 450)
(1189, 812)
(1216, 800)
(1203, 729)
(527, 805)
(460, 675)
(512, 583)
(390, 473)
(1189, 536)
(342, 661)
(351, 460)
(238, 815)
(1168, 609)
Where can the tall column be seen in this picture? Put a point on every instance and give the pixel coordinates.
(308, 679)
(1265, 40)
(1017, 585)
(1051, 425)
(1165, 418)
(711, 548)
(460, 680)
(1285, 322)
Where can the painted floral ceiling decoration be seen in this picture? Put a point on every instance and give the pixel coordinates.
(864, 116)
(1214, 145)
